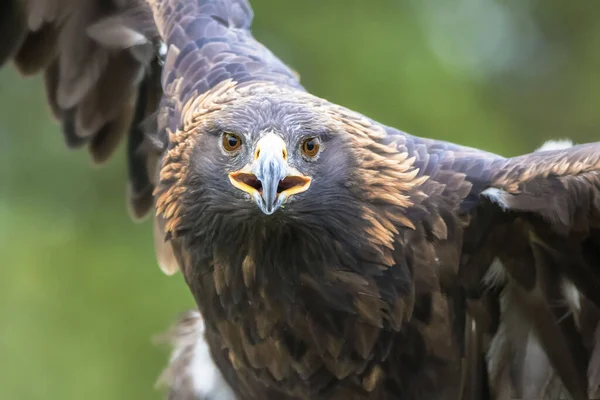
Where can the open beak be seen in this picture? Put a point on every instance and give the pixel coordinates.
(269, 179)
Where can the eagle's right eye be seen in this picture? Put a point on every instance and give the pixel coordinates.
(231, 142)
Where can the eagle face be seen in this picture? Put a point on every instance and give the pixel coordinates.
(268, 177)
(273, 155)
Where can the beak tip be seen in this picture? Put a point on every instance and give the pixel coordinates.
(269, 208)
(266, 209)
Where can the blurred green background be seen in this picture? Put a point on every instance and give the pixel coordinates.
(80, 292)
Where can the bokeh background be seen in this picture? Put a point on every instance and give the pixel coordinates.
(80, 292)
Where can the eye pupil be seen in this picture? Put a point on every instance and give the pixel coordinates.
(310, 145)
(232, 140)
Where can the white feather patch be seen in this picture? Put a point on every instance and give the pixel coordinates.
(556, 145)
(164, 250)
(207, 379)
(572, 295)
(497, 196)
(192, 372)
(115, 36)
(495, 277)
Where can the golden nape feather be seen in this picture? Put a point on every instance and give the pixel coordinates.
(331, 257)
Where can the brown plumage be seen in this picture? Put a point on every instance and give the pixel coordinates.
(331, 257)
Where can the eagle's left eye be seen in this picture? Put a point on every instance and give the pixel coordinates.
(231, 142)
(310, 147)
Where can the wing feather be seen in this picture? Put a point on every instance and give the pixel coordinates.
(38, 50)
(547, 204)
(13, 28)
(95, 57)
(528, 261)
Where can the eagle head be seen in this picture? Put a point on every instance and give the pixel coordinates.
(269, 156)
(263, 161)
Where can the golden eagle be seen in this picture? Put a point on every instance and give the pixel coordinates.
(330, 256)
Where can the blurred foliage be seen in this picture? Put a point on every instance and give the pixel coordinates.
(80, 292)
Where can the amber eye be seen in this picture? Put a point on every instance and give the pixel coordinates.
(310, 147)
(231, 142)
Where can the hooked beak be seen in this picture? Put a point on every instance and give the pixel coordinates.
(269, 179)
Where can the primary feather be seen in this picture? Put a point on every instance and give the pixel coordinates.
(394, 267)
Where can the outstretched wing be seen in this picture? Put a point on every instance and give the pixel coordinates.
(99, 63)
(530, 264)
(513, 244)
(107, 64)
(107, 77)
